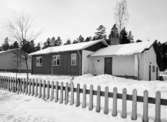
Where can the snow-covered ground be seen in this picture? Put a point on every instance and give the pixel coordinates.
(32, 109)
(22, 108)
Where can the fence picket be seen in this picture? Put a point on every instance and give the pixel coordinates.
(44, 85)
(84, 96)
(158, 107)
(48, 90)
(114, 110)
(134, 105)
(52, 91)
(40, 89)
(66, 94)
(36, 89)
(72, 93)
(33, 87)
(91, 98)
(57, 92)
(78, 95)
(61, 93)
(145, 106)
(98, 99)
(106, 109)
(124, 104)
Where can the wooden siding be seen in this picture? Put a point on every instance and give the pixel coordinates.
(65, 67)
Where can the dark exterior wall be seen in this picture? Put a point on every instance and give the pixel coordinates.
(65, 67)
(45, 68)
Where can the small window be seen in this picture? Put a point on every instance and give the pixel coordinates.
(39, 61)
(73, 59)
(56, 60)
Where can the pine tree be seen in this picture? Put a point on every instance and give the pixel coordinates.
(58, 41)
(80, 38)
(101, 33)
(114, 35)
(67, 42)
(75, 41)
(6, 46)
(124, 37)
(89, 38)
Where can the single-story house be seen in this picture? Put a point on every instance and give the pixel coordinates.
(12, 62)
(73, 59)
(137, 60)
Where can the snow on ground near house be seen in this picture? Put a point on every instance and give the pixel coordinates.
(22, 108)
(105, 80)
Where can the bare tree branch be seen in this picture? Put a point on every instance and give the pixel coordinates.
(121, 14)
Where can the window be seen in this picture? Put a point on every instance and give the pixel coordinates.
(56, 60)
(39, 61)
(73, 59)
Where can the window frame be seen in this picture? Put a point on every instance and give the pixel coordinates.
(38, 61)
(73, 59)
(55, 59)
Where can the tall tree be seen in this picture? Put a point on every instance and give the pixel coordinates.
(52, 41)
(89, 38)
(67, 42)
(121, 14)
(38, 47)
(58, 41)
(114, 35)
(5, 45)
(100, 33)
(80, 38)
(124, 37)
(20, 28)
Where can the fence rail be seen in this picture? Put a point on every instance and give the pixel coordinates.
(64, 93)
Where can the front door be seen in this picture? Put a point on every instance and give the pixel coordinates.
(108, 65)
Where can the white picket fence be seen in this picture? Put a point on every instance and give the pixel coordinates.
(68, 94)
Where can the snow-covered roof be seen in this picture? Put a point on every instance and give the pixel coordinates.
(9, 50)
(124, 49)
(65, 48)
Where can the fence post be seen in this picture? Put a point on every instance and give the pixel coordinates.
(72, 93)
(98, 100)
(91, 98)
(57, 92)
(66, 94)
(18, 85)
(61, 93)
(158, 107)
(84, 96)
(134, 105)
(33, 86)
(145, 106)
(36, 92)
(29, 87)
(106, 109)
(48, 90)
(78, 95)
(44, 84)
(26, 89)
(40, 89)
(124, 105)
(114, 110)
(52, 91)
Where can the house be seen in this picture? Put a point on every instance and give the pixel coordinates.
(73, 59)
(136, 60)
(12, 62)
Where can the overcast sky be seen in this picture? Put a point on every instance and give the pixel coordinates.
(70, 18)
